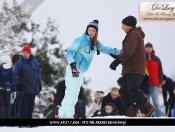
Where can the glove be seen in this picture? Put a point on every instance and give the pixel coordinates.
(113, 56)
(13, 95)
(118, 52)
(18, 85)
(75, 72)
(115, 63)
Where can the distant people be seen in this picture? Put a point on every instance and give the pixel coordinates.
(96, 103)
(113, 97)
(108, 110)
(133, 61)
(168, 90)
(28, 81)
(79, 107)
(6, 85)
(154, 67)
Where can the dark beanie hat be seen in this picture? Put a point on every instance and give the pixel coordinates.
(93, 24)
(130, 21)
(149, 45)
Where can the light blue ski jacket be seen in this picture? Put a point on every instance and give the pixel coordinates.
(80, 52)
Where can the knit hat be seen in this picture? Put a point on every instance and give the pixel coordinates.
(130, 21)
(110, 104)
(6, 61)
(149, 45)
(93, 24)
(27, 48)
(99, 94)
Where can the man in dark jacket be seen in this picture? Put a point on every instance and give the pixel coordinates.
(113, 97)
(133, 60)
(79, 107)
(27, 76)
(168, 87)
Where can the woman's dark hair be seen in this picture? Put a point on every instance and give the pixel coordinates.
(15, 58)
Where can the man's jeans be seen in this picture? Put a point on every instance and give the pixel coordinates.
(154, 92)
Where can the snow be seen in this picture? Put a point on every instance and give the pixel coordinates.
(90, 129)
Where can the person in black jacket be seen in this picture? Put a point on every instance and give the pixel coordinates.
(113, 97)
(168, 87)
(79, 107)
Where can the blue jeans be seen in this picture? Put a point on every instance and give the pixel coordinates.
(154, 92)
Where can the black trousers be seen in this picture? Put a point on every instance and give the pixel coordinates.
(130, 92)
(80, 110)
(5, 97)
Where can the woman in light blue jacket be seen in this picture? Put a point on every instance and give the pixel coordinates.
(79, 57)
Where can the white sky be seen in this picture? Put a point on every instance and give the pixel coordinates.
(74, 15)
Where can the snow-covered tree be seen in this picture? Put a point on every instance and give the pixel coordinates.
(51, 55)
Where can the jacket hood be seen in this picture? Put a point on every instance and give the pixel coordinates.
(139, 29)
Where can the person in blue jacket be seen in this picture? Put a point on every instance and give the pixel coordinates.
(6, 85)
(79, 57)
(27, 77)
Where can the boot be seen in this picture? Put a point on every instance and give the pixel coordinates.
(129, 112)
(149, 109)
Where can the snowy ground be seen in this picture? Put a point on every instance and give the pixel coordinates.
(91, 129)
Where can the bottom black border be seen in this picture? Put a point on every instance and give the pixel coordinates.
(88, 122)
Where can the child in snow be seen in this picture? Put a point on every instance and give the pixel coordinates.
(109, 110)
(79, 57)
(6, 85)
(96, 103)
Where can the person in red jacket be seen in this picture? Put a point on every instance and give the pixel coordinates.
(154, 67)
